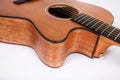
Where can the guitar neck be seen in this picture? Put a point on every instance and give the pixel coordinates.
(98, 26)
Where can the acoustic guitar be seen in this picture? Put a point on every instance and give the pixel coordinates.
(56, 28)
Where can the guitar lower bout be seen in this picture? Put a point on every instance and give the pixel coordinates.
(53, 54)
(50, 31)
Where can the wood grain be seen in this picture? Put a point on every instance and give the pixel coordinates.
(52, 54)
(53, 39)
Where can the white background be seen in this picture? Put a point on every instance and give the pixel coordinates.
(21, 62)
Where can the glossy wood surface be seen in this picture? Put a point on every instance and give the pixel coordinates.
(52, 38)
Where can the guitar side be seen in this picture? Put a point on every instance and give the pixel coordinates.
(52, 54)
(53, 51)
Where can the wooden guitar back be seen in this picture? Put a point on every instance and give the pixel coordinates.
(52, 38)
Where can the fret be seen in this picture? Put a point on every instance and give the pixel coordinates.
(78, 17)
(105, 29)
(104, 25)
(95, 24)
(101, 27)
(87, 20)
(82, 18)
(98, 26)
(111, 32)
(114, 33)
(109, 29)
(117, 36)
(90, 22)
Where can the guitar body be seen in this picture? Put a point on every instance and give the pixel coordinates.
(53, 36)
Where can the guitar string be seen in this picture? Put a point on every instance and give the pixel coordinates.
(98, 21)
(67, 12)
(111, 33)
(81, 20)
(114, 33)
(70, 9)
(108, 31)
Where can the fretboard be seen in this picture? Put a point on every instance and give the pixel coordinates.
(98, 26)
